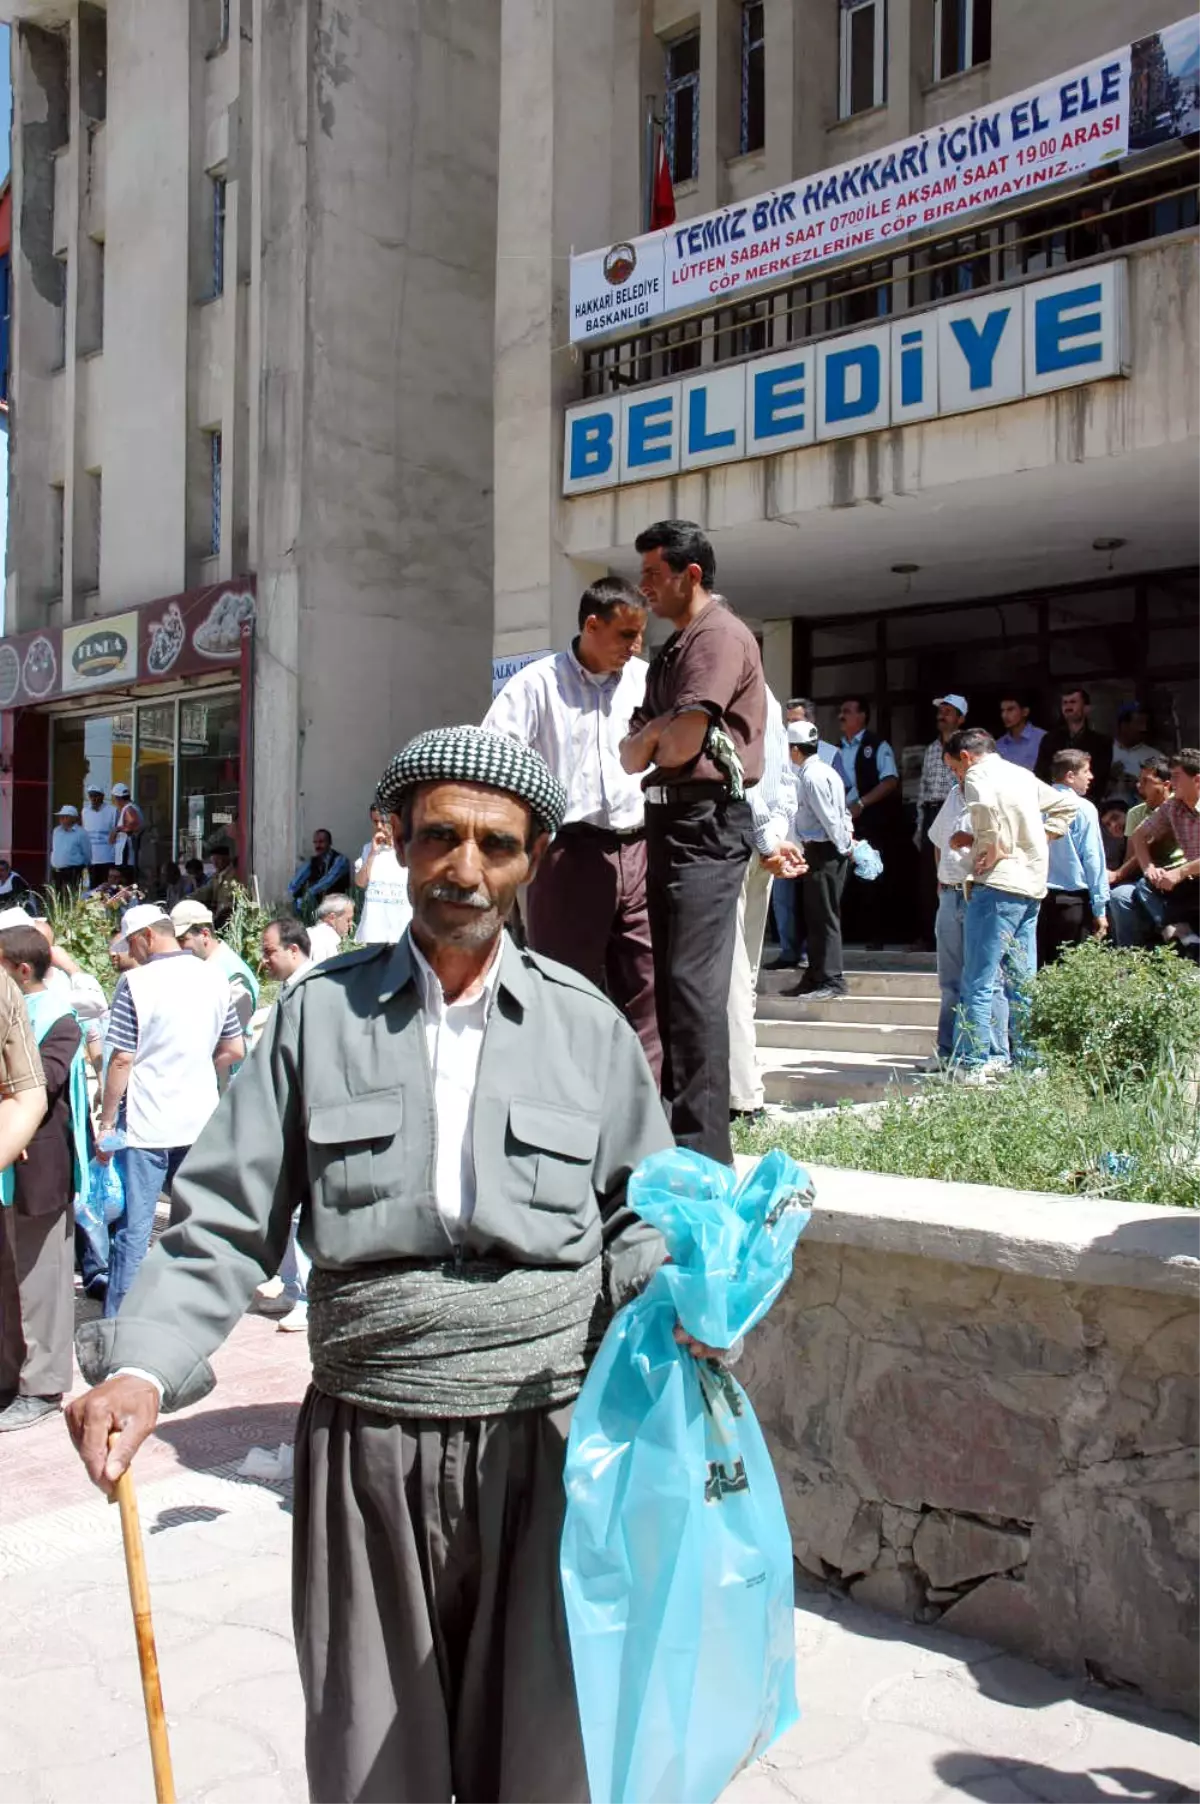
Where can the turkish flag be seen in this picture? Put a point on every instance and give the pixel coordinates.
(662, 198)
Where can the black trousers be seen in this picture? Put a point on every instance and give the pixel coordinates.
(880, 911)
(1064, 919)
(822, 889)
(697, 854)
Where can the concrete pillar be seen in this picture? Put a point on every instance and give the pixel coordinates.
(145, 352)
(554, 193)
(372, 321)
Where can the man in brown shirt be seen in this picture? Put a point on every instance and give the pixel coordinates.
(701, 726)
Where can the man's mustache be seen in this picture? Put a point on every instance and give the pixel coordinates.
(463, 898)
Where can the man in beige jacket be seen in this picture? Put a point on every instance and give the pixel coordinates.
(1013, 815)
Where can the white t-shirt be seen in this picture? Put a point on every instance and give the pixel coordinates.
(387, 910)
(1127, 762)
(184, 1007)
(98, 823)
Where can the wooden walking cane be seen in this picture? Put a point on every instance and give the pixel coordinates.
(143, 1628)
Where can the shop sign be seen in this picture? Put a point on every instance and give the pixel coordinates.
(181, 636)
(100, 654)
(1059, 129)
(1001, 347)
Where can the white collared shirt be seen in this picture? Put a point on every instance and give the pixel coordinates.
(955, 864)
(576, 721)
(454, 1038)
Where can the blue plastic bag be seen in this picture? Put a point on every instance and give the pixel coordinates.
(866, 860)
(676, 1554)
(104, 1200)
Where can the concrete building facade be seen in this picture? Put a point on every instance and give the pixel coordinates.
(1049, 538)
(252, 304)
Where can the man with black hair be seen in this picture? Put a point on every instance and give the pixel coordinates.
(1166, 898)
(1020, 741)
(286, 950)
(327, 869)
(702, 727)
(587, 906)
(1013, 816)
(876, 811)
(1074, 734)
(1076, 903)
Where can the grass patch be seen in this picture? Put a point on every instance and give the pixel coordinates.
(1113, 1114)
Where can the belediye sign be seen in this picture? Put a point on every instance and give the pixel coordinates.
(975, 353)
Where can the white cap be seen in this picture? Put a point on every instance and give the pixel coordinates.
(804, 733)
(144, 914)
(68, 808)
(951, 701)
(120, 789)
(14, 917)
(188, 914)
(119, 947)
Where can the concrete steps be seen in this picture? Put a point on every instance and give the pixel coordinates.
(813, 1054)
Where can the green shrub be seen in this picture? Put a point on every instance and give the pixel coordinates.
(85, 929)
(1117, 1014)
(1137, 1142)
(246, 925)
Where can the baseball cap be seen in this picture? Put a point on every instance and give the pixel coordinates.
(68, 808)
(951, 701)
(804, 732)
(120, 789)
(185, 915)
(141, 915)
(94, 789)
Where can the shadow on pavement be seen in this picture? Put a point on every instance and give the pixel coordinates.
(1026, 1781)
(219, 1437)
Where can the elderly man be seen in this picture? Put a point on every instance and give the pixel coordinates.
(193, 924)
(70, 848)
(99, 822)
(334, 923)
(458, 1119)
(172, 1033)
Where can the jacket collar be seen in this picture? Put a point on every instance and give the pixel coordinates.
(399, 970)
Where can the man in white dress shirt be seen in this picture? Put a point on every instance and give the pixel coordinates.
(587, 907)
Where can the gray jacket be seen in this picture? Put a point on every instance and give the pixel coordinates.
(334, 1111)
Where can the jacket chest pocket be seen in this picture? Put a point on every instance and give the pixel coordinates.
(555, 1148)
(355, 1151)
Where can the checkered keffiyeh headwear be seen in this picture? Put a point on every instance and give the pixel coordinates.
(474, 755)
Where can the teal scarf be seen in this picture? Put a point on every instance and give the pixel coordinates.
(45, 1008)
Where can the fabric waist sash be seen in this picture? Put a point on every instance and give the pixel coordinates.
(481, 1339)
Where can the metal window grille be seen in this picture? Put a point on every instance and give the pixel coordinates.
(683, 107)
(214, 479)
(223, 34)
(863, 56)
(218, 243)
(753, 126)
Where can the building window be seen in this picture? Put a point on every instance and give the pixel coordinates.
(218, 238)
(863, 54)
(683, 107)
(58, 537)
(223, 26)
(214, 492)
(962, 35)
(753, 132)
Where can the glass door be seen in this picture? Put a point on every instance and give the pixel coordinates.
(154, 791)
(209, 770)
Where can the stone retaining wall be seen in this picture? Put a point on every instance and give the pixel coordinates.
(982, 1406)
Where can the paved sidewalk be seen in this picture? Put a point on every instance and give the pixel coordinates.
(892, 1714)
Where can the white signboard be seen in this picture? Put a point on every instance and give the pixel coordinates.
(1058, 129)
(503, 668)
(973, 353)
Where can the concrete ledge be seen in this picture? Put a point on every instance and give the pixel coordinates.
(1081, 1240)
